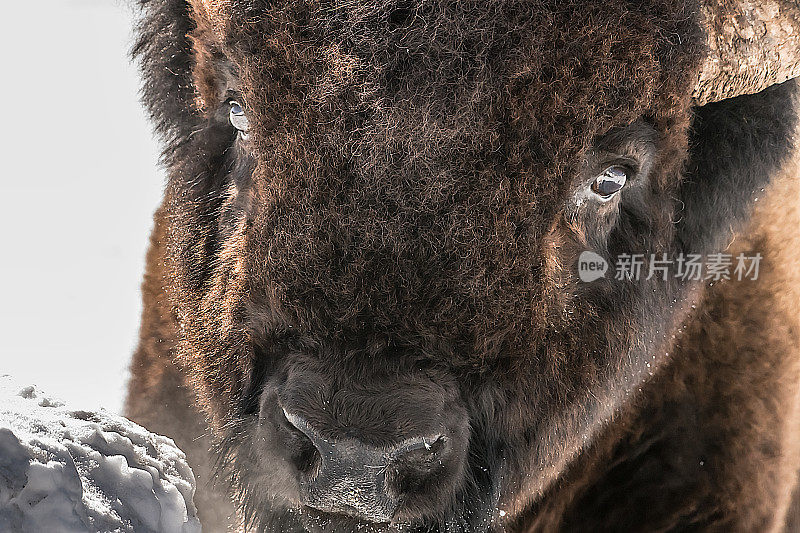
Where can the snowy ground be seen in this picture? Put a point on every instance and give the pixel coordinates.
(64, 471)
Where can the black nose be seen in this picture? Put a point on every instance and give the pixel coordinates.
(365, 481)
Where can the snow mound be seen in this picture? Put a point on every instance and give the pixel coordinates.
(63, 470)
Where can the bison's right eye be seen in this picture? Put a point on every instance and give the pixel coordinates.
(238, 118)
(610, 182)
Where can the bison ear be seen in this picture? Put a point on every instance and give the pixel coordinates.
(163, 50)
(737, 146)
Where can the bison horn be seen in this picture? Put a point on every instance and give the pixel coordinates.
(752, 44)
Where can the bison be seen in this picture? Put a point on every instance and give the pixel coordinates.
(363, 305)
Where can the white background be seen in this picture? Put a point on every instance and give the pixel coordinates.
(79, 182)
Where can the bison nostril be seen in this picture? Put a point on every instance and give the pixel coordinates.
(415, 463)
(303, 451)
(425, 445)
(306, 456)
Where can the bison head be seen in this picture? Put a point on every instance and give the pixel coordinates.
(372, 223)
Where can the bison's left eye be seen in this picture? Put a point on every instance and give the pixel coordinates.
(610, 182)
(238, 118)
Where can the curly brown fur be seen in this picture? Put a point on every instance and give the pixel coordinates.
(406, 216)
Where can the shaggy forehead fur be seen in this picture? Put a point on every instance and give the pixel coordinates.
(412, 151)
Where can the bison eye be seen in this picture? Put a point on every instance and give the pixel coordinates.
(610, 181)
(238, 118)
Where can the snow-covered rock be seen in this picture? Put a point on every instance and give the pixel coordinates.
(65, 470)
